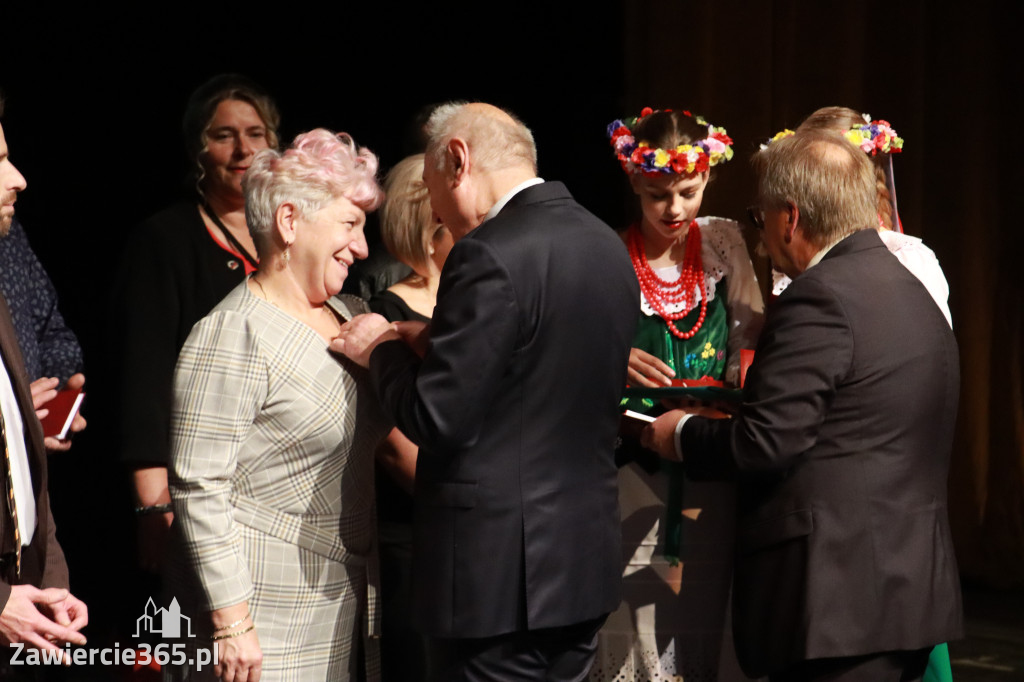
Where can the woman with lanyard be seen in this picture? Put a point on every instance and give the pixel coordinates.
(177, 265)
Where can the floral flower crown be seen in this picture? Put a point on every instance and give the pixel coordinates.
(874, 137)
(777, 136)
(686, 159)
(871, 138)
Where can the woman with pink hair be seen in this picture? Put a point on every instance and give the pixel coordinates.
(273, 437)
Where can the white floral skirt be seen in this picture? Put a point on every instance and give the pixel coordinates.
(672, 623)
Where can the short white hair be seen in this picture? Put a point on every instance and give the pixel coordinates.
(495, 142)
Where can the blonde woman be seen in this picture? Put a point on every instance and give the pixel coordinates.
(415, 237)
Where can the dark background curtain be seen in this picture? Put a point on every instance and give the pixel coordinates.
(948, 77)
(95, 96)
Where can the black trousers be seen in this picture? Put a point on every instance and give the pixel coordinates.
(562, 654)
(888, 666)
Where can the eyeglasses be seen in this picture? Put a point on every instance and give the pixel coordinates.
(756, 216)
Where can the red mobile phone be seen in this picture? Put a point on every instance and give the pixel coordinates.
(62, 409)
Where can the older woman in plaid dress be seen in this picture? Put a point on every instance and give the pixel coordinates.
(273, 437)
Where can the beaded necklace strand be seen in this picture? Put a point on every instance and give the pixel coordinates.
(659, 293)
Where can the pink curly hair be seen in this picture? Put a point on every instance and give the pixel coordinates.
(320, 166)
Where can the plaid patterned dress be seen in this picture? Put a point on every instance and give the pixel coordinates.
(272, 481)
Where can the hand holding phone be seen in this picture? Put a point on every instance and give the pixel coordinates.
(61, 413)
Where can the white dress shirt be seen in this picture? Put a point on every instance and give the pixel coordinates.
(500, 204)
(24, 499)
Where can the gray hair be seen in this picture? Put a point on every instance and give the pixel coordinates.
(496, 142)
(830, 181)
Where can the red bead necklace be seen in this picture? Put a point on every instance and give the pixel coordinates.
(659, 292)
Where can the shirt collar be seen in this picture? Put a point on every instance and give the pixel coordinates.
(511, 193)
(821, 254)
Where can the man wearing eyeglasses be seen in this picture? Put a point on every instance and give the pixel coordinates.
(845, 567)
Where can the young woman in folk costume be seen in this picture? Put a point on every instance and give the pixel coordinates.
(700, 305)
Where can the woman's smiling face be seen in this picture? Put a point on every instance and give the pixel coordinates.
(326, 244)
(235, 134)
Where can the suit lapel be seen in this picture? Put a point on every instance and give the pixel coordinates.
(15, 366)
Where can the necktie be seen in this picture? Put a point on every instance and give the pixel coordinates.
(11, 506)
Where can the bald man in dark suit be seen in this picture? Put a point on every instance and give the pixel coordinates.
(515, 406)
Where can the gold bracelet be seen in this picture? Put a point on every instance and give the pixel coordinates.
(232, 625)
(233, 634)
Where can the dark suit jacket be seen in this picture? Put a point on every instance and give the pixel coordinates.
(842, 453)
(42, 561)
(515, 409)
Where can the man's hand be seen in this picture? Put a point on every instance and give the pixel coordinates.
(648, 370)
(72, 613)
(416, 335)
(360, 336)
(25, 618)
(660, 435)
(43, 391)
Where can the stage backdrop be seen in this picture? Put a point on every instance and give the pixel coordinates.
(95, 96)
(947, 77)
